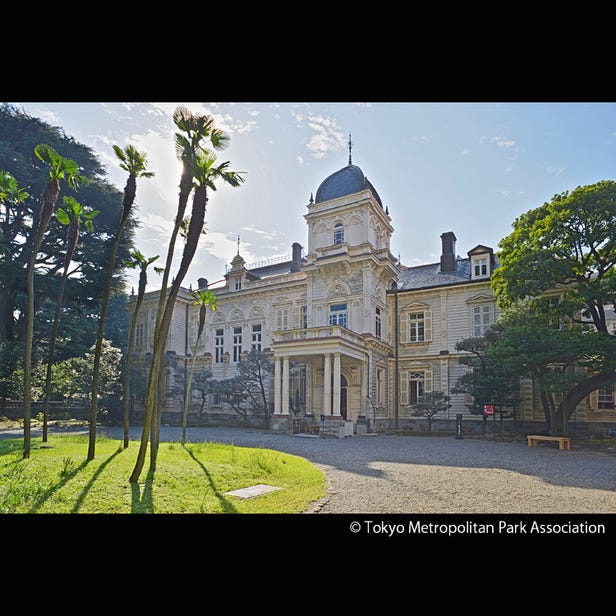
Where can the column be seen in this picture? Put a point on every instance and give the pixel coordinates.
(364, 388)
(336, 384)
(285, 386)
(327, 385)
(277, 366)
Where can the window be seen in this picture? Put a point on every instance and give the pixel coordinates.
(338, 315)
(237, 344)
(416, 326)
(216, 399)
(480, 267)
(614, 329)
(482, 319)
(413, 385)
(606, 397)
(378, 323)
(550, 304)
(282, 318)
(303, 317)
(238, 284)
(139, 334)
(338, 233)
(380, 383)
(219, 343)
(255, 343)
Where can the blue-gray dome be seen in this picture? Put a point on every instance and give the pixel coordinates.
(346, 181)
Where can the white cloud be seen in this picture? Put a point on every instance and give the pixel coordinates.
(503, 192)
(226, 121)
(253, 112)
(556, 170)
(270, 235)
(363, 104)
(422, 139)
(300, 160)
(482, 139)
(328, 136)
(50, 117)
(501, 142)
(465, 152)
(224, 247)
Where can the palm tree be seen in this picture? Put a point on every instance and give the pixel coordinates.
(59, 168)
(135, 163)
(203, 299)
(72, 217)
(205, 174)
(135, 260)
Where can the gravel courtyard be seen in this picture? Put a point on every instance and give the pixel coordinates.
(404, 474)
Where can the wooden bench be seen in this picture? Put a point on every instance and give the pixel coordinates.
(564, 442)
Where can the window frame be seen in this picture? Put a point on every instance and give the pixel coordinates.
(256, 337)
(338, 234)
(338, 316)
(378, 323)
(219, 345)
(237, 344)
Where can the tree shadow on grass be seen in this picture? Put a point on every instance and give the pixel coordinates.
(227, 506)
(90, 483)
(65, 478)
(142, 503)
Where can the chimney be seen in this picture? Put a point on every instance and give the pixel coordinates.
(202, 283)
(448, 255)
(296, 259)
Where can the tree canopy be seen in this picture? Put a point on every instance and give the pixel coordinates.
(19, 135)
(566, 249)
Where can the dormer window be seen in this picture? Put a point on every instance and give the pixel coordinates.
(238, 284)
(480, 267)
(338, 233)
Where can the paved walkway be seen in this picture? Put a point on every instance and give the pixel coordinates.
(402, 474)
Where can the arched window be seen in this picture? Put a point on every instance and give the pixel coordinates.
(338, 233)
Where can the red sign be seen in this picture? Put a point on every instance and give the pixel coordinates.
(488, 409)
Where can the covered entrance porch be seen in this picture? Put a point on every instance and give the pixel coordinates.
(336, 374)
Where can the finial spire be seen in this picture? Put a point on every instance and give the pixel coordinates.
(311, 198)
(350, 144)
(238, 243)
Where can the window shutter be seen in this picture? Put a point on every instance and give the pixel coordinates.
(404, 328)
(404, 388)
(593, 400)
(427, 381)
(427, 325)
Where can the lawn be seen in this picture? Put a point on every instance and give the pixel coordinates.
(191, 479)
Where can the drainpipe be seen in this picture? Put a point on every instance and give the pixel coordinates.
(396, 355)
(186, 311)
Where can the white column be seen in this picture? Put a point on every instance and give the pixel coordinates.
(327, 385)
(277, 366)
(364, 388)
(285, 385)
(336, 384)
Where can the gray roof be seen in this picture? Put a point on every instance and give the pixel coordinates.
(346, 181)
(426, 276)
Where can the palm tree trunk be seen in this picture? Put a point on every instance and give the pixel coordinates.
(50, 355)
(71, 245)
(196, 221)
(191, 371)
(130, 191)
(52, 189)
(127, 368)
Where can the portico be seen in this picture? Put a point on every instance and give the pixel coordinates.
(336, 371)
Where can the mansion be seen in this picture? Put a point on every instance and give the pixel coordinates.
(355, 337)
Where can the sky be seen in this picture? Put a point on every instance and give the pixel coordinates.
(470, 168)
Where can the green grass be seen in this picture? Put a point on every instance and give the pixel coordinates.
(191, 479)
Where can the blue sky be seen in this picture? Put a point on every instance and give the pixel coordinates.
(470, 168)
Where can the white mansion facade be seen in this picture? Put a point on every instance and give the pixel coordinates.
(355, 336)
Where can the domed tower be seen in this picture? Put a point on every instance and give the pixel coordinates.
(343, 339)
(348, 255)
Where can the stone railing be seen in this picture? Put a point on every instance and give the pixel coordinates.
(315, 333)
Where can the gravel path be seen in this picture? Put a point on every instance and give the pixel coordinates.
(403, 474)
